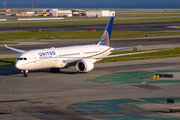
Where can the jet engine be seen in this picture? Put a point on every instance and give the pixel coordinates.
(84, 66)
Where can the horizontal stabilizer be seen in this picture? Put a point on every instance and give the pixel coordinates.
(116, 49)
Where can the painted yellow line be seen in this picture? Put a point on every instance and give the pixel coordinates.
(5, 106)
(18, 111)
(4, 81)
(17, 105)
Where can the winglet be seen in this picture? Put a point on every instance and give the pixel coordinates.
(105, 39)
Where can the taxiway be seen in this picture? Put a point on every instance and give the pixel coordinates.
(156, 26)
(45, 95)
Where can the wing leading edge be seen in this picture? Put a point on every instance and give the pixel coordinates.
(14, 49)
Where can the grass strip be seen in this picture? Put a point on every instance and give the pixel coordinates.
(87, 22)
(3, 43)
(7, 61)
(147, 20)
(82, 35)
(161, 54)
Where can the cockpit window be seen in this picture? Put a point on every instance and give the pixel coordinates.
(22, 58)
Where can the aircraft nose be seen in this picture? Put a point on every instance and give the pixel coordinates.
(18, 65)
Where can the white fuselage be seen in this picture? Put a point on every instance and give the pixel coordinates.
(55, 57)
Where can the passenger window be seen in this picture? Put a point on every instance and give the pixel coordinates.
(25, 58)
(20, 58)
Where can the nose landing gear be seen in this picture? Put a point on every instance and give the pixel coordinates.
(25, 73)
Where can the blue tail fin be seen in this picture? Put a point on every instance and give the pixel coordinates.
(105, 39)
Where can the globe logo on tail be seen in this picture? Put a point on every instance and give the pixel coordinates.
(105, 39)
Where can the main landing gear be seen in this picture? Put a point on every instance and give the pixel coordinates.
(55, 70)
(25, 73)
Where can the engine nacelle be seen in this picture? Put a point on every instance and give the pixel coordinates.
(84, 66)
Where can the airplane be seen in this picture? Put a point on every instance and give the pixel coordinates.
(82, 56)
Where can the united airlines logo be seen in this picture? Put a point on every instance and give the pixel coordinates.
(47, 53)
(105, 39)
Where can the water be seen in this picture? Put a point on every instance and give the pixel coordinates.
(116, 4)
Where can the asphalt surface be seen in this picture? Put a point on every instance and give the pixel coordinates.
(45, 95)
(158, 26)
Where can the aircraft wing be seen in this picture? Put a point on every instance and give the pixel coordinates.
(101, 57)
(14, 49)
(116, 49)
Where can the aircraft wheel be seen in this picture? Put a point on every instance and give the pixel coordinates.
(25, 73)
